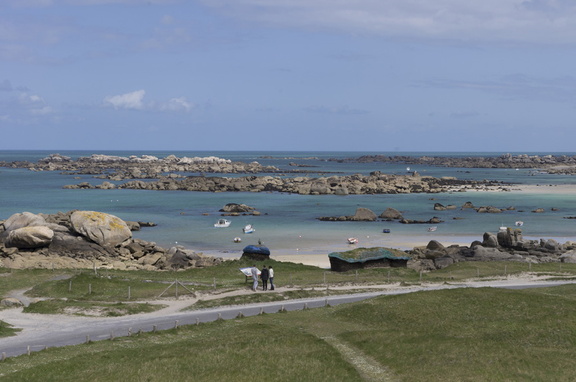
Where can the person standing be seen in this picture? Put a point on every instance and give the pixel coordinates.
(264, 276)
(254, 272)
(271, 277)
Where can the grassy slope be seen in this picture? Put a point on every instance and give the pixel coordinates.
(451, 335)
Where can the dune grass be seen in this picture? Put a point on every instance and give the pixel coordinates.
(468, 334)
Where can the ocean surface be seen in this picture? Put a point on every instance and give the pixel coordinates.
(288, 224)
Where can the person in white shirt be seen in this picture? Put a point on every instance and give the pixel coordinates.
(271, 277)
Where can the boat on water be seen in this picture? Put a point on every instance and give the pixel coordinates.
(386, 230)
(222, 223)
(432, 229)
(352, 240)
(519, 223)
(248, 228)
(237, 239)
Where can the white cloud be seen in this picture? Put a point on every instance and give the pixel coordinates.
(552, 21)
(177, 104)
(42, 111)
(131, 100)
(135, 101)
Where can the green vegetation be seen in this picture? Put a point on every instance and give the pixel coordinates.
(468, 334)
(473, 334)
(89, 308)
(7, 330)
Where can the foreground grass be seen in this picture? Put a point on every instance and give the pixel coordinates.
(73, 289)
(89, 308)
(473, 334)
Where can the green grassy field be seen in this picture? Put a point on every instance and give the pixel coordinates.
(472, 334)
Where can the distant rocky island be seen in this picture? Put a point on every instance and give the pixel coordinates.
(553, 164)
(152, 173)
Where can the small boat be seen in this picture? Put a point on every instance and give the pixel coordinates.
(352, 240)
(237, 239)
(248, 228)
(386, 230)
(503, 229)
(222, 223)
(519, 223)
(432, 229)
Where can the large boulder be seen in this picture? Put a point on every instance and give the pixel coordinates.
(364, 214)
(23, 219)
(235, 207)
(101, 228)
(391, 214)
(29, 237)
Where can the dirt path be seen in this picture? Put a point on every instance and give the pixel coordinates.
(367, 367)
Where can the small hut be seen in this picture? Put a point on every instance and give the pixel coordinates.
(367, 258)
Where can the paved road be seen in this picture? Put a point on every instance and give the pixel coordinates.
(95, 329)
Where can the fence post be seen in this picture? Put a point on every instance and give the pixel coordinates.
(70, 286)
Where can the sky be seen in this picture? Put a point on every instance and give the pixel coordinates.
(303, 75)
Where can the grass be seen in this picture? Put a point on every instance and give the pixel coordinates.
(89, 308)
(7, 329)
(79, 289)
(261, 297)
(468, 334)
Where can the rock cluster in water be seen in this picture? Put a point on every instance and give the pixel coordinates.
(375, 183)
(143, 167)
(86, 239)
(151, 173)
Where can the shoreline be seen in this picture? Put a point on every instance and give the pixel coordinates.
(319, 257)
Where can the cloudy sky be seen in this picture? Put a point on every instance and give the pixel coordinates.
(355, 75)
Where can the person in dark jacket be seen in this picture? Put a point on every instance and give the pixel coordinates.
(264, 275)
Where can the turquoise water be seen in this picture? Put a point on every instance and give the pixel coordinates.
(288, 223)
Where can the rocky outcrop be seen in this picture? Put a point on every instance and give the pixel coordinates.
(391, 214)
(86, 239)
(234, 209)
(375, 183)
(361, 214)
(508, 245)
(143, 167)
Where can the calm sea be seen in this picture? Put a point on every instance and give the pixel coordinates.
(288, 223)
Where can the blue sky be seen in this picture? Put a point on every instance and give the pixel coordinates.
(362, 75)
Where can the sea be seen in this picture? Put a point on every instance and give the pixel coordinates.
(288, 224)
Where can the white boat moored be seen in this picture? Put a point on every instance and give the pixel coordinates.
(248, 228)
(222, 223)
(352, 240)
